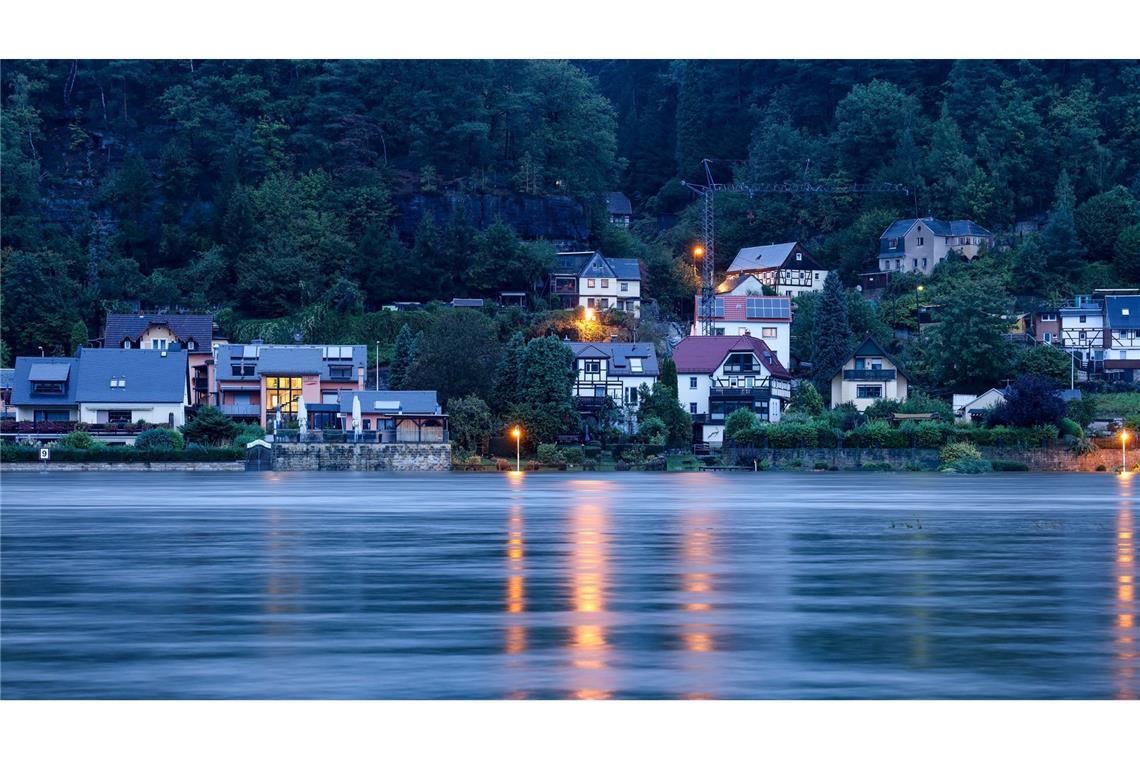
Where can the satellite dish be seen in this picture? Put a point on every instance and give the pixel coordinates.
(297, 336)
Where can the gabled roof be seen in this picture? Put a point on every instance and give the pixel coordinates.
(22, 385)
(282, 360)
(196, 327)
(594, 264)
(619, 355)
(774, 256)
(742, 282)
(703, 354)
(156, 376)
(1115, 308)
(391, 402)
(900, 227)
(618, 203)
(871, 347)
(7, 377)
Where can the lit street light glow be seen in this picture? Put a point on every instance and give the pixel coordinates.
(516, 433)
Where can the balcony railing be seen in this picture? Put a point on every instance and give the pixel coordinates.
(869, 374)
(767, 388)
(241, 410)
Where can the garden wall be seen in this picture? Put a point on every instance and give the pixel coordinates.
(122, 467)
(394, 457)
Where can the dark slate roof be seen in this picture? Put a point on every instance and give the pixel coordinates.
(473, 302)
(7, 377)
(196, 327)
(1115, 308)
(618, 203)
(619, 355)
(149, 375)
(870, 347)
(702, 354)
(278, 359)
(49, 372)
(594, 264)
(22, 387)
(956, 227)
(394, 402)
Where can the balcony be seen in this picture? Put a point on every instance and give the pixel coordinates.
(869, 374)
(767, 388)
(569, 288)
(241, 410)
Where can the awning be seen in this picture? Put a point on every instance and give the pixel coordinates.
(55, 372)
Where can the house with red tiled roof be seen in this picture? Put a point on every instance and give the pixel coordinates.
(718, 374)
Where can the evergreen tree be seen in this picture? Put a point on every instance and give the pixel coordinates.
(669, 374)
(832, 332)
(403, 354)
(79, 335)
(509, 375)
(1064, 253)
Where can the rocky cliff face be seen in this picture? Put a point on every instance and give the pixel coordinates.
(556, 218)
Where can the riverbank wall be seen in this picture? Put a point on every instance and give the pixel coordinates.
(122, 467)
(395, 457)
(1054, 459)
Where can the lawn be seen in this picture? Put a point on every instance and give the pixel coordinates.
(1116, 404)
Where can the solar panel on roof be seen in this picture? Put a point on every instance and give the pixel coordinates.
(768, 308)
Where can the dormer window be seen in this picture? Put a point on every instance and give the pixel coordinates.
(118, 382)
(191, 345)
(893, 244)
(635, 364)
(1124, 312)
(126, 342)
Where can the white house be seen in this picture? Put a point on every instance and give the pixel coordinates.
(919, 245)
(589, 279)
(614, 371)
(1122, 337)
(969, 408)
(766, 317)
(868, 375)
(787, 268)
(716, 375)
(1082, 329)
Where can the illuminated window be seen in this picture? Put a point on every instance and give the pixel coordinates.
(605, 282)
(769, 332)
(282, 393)
(590, 283)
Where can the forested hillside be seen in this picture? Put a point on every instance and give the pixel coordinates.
(265, 188)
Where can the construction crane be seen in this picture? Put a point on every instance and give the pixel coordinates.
(706, 252)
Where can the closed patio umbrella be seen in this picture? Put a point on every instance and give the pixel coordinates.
(357, 423)
(302, 417)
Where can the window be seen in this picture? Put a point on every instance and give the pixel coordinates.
(591, 283)
(242, 370)
(769, 332)
(817, 275)
(924, 263)
(50, 415)
(693, 407)
(625, 287)
(282, 393)
(1083, 319)
(329, 398)
(799, 257)
(741, 363)
(592, 366)
(118, 382)
(1083, 335)
(748, 381)
(605, 282)
(1124, 312)
(742, 331)
(126, 342)
(718, 307)
(191, 345)
(47, 388)
(922, 241)
(119, 416)
(635, 364)
(869, 391)
(718, 331)
(340, 373)
(893, 244)
(693, 382)
(631, 395)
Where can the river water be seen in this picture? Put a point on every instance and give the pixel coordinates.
(587, 586)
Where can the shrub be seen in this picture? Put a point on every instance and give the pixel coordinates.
(1101, 468)
(245, 439)
(458, 455)
(653, 430)
(954, 452)
(209, 426)
(592, 451)
(502, 465)
(1081, 445)
(474, 460)
(1009, 465)
(1069, 427)
(133, 454)
(573, 455)
(12, 453)
(549, 454)
(590, 464)
(79, 439)
(739, 421)
(160, 439)
(531, 465)
(871, 435)
(970, 466)
(820, 465)
(1031, 400)
(634, 454)
(843, 417)
(1082, 410)
(877, 466)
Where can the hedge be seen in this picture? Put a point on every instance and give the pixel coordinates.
(879, 434)
(10, 453)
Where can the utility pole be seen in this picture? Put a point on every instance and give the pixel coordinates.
(707, 192)
(377, 365)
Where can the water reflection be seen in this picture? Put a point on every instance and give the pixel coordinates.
(1125, 570)
(588, 642)
(696, 593)
(283, 588)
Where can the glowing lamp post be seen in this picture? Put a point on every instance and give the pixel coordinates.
(588, 314)
(516, 433)
(917, 293)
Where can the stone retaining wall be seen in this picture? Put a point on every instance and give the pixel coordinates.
(122, 467)
(1053, 459)
(394, 457)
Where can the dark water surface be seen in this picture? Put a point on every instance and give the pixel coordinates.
(354, 585)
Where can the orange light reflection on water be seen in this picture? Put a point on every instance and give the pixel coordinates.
(589, 647)
(1124, 571)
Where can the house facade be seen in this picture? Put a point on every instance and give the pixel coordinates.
(787, 268)
(1122, 337)
(613, 372)
(7, 377)
(195, 334)
(103, 386)
(869, 375)
(395, 416)
(716, 375)
(589, 279)
(252, 381)
(768, 318)
(1082, 331)
(619, 209)
(919, 245)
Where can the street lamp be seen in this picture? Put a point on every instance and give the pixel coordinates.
(1123, 451)
(917, 292)
(516, 433)
(588, 314)
(698, 251)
